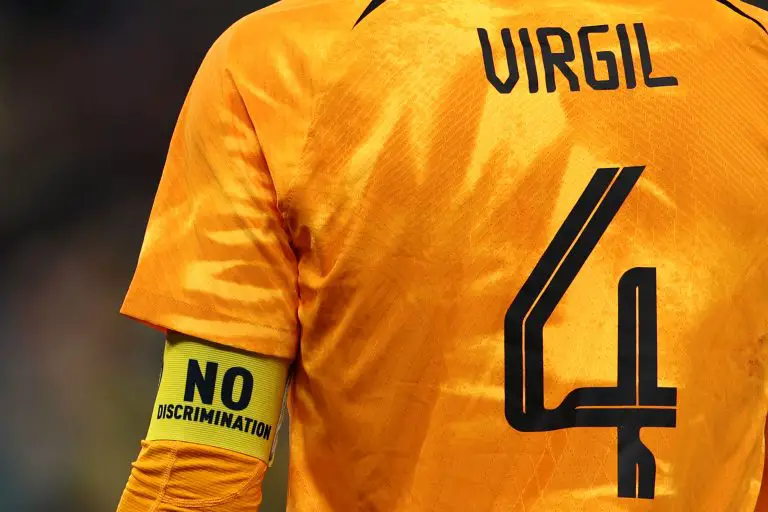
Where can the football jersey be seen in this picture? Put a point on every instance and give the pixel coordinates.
(518, 251)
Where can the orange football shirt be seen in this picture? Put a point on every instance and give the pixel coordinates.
(518, 250)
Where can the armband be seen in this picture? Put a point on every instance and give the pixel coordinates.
(219, 396)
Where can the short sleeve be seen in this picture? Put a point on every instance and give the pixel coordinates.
(216, 262)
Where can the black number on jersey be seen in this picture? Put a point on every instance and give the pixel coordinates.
(637, 400)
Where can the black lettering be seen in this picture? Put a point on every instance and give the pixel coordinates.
(267, 432)
(217, 418)
(248, 422)
(188, 412)
(226, 419)
(177, 411)
(238, 424)
(647, 65)
(206, 415)
(260, 430)
(612, 82)
(557, 60)
(490, 68)
(626, 56)
(160, 411)
(228, 388)
(169, 411)
(552, 60)
(197, 413)
(205, 384)
(530, 60)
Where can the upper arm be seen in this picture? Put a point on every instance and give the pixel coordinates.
(217, 261)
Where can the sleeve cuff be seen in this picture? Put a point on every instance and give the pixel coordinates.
(169, 314)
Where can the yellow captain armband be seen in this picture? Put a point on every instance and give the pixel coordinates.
(219, 396)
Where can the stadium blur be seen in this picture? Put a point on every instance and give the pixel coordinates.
(89, 94)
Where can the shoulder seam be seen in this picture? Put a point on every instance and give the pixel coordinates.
(299, 161)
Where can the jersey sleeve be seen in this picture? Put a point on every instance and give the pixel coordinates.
(217, 262)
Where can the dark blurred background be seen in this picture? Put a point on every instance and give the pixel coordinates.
(89, 94)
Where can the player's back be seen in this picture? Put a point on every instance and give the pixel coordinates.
(532, 244)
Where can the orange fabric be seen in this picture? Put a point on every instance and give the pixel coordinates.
(370, 189)
(762, 499)
(216, 262)
(172, 476)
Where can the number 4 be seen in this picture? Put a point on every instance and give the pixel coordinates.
(637, 400)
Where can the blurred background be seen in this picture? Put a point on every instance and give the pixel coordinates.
(89, 95)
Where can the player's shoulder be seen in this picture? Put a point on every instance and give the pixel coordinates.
(276, 59)
(289, 36)
(304, 23)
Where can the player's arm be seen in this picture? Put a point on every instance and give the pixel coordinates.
(212, 430)
(217, 264)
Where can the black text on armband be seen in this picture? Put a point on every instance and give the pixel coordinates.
(214, 417)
